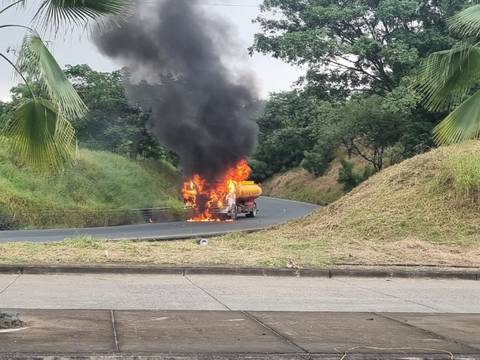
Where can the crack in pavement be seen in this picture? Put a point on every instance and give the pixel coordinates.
(2, 291)
(114, 329)
(275, 332)
(389, 295)
(428, 332)
(207, 293)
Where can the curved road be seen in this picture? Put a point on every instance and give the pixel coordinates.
(271, 212)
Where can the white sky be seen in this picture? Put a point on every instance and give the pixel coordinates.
(272, 75)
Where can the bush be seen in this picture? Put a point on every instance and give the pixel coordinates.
(318, 160)
(351, 179)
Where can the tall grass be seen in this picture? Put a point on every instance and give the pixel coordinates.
(460, 176)
(81, 194)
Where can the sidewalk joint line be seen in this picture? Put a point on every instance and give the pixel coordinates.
(2, 291)
(276, 332)
(429, 332)
(207, 293)
(390, 295)
(115, 335)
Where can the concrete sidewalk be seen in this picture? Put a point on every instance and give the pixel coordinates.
(175, 317)
(103, 334)
(242, 293)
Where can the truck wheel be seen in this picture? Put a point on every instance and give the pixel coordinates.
(252, 213)
(234, 213)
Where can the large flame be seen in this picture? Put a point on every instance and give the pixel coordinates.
(204, 197)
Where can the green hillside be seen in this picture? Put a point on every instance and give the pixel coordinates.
(85, 194)
(299, 184)
(425, 210)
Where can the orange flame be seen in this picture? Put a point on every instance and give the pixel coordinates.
(205, 197)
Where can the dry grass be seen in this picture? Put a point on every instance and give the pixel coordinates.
(409, 213)
(299, 184)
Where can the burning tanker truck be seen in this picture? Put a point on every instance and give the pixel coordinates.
(176, 55)
(222, 199)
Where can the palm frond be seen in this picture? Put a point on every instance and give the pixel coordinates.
(36, 61)
(462, 124)
(13, 3)
(40, 136)
(445, 77)
(55, 13)
(467, 22)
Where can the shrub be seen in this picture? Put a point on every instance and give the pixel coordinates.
(318, 160)
(351, 179)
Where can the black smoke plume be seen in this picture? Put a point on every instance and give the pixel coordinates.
(177, 59)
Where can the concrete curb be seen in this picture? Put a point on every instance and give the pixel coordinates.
(234, 356)
(432, 272)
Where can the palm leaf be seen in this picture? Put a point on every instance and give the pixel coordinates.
(55, 13)
(467, 22)
(36, 61)
(462, 124)
(13, 3)
(445, 77)
(40, 136)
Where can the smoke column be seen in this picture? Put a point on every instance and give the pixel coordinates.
(177, 56)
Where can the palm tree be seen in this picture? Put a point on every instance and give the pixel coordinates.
(448, 78)
(40, 129)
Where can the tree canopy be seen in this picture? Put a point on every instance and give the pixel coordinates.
(39, 129)
(361, 59)
(357, 44)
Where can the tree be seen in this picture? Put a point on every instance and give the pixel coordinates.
(361, 58)
(39, 128)
(354, 44)
(111, 124)
(371, 127)
(364, 125)
(449, 80)
(285, 131)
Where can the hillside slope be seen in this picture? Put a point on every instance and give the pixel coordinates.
(84, 194)
(423, 210)
(299, 184)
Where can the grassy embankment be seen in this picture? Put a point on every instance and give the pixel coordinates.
(425, 210)
(299, 184)
(82, 194)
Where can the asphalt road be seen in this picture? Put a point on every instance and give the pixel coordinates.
(271, 212)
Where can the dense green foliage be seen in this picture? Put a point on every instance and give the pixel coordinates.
(111, 124)
(361, 59)
(448, 80)
(349, 178)
(85, 193)
(39, 128)
(362, 43)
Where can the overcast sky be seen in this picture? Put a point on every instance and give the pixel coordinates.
(272, 75)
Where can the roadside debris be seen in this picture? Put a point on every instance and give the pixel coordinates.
(10, 321)
(202, 242)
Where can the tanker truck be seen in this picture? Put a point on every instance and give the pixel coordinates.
(241, 201)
